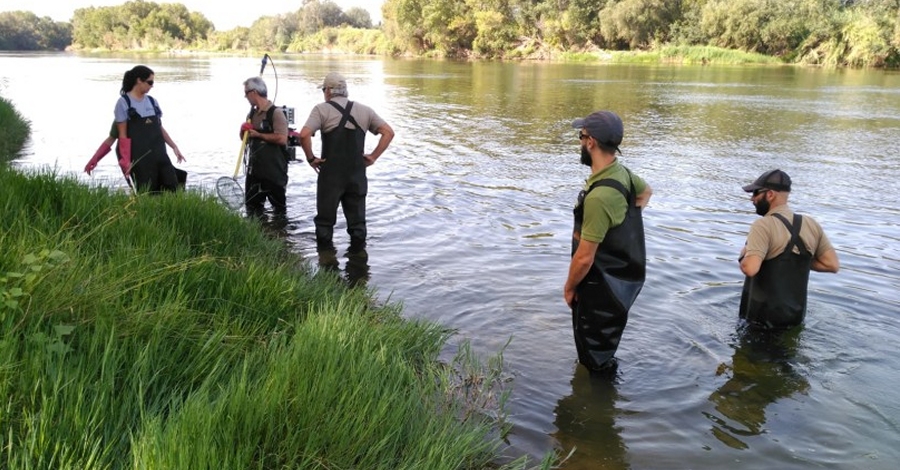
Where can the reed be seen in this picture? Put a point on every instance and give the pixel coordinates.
(687, 55)
(14, 130)
(166, 332)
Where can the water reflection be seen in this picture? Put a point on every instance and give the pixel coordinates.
(762, 373)
(356, 267)
(586, 424)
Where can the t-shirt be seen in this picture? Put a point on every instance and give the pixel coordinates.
(326, 117)
(144, 107)
(604, 207)
(279, 121)
(768, 236)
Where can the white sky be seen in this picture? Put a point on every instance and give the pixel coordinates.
(225, 14)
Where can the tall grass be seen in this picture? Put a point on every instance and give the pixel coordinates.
(14, 131)
(673, 54)
(165, 332)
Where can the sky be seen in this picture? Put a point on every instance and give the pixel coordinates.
(224, 14)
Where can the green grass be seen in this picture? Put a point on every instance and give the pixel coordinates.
(673, 54)
(166, 332)
(14, 130)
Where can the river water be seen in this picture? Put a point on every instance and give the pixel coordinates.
(470, 223)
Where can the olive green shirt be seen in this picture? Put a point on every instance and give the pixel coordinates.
(604, 207)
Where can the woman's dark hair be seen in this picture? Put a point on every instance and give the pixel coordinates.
(139, 71)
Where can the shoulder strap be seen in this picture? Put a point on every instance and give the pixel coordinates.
(131, 109)
(155, 106)
(270, 114)
(345, 113)
(611, 183)
(794, 230)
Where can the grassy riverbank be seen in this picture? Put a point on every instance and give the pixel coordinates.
(166, 332)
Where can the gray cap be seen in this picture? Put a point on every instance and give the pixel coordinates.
(604, 126)
(333, 80)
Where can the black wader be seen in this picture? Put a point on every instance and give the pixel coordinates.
(151, 169)
(342, 180)
(776, 296)
(267, 174)
(611, 286)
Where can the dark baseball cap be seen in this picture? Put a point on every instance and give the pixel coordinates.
(775, 180)
(604, 126)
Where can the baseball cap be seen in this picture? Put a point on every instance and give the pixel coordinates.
(333, 80)
(775, 180)
(604, 126)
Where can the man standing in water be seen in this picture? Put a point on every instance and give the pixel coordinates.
(781, 249)
(342, 168)
(267, 166)
(608, 255)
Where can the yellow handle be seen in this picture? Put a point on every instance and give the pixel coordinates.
(237, 167)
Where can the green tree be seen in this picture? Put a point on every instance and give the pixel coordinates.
(639, 23)
(449, 27)
(358, 18)
(496, 31)
(25, 31)
(404, 24)
(139, 24)
(317, 15)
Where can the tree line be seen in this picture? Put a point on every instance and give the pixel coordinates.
(826, 32)
(855, 33)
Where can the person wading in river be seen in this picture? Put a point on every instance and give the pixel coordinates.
(781, 249)
(342, 167)
(142, 137)
(608, 255)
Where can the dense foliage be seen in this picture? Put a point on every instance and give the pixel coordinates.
(827, 32)
(24, 31)
(856, 33)
(139, 25)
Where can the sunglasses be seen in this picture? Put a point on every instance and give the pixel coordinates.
(149, 82)
(583, 136)
(760, 191)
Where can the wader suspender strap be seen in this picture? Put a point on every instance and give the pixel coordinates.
(156, 110)
(609, 182)
(794, 229)
(346, 115)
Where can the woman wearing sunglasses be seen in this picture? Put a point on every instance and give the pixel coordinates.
(142, 137)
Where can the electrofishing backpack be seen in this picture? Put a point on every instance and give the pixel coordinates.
(268, 127)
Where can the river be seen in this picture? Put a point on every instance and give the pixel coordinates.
(470, 223)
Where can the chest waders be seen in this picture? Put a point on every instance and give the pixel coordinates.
(267, 171)
(613, 283)
(776, 296)
(151, 169)
(342, 181)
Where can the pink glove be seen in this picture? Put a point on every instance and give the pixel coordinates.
(100, 153)
(245, 127)
(125, 155)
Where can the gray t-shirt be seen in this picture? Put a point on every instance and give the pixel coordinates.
(144, 107)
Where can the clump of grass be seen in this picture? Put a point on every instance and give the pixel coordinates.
(166, 332)
(713, 55)
(14, 130)
(673, 54)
